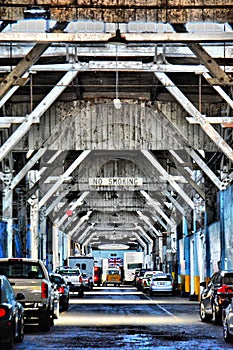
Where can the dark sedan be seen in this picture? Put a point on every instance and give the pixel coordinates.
(63, 290)
(11, 315)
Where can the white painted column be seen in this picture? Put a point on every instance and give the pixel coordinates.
(43, 235)
(55, 237)
(34, 216)
(7, 206)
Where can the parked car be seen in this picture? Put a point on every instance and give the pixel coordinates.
(73, 277)
(11, 315)
(161, 283)
(146, 280)
(113, 276)
(30, 276)
(216, 296)
(63, 290)
(87, 281)
(228, 322)
(139, 277)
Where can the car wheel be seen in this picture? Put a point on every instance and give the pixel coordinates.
(226, 335)
(65, 306)
(56, 308)
(217, 318)
(10, 344)
(81, 294)
(20, 335)
(204, 317)
(44, 322)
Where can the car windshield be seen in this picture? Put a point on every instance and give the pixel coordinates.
(113, 272)
(68, 272)
(21, 269)
(228, 279)
(162, 278)
(148, 275)
(57, 279)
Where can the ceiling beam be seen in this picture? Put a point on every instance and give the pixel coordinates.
(36, 113)
(221, 92)
(22, 67)
(102, 38)
(152, 202)
(193, 111)
(173, 183)
(76, 204)
(221, 78)
(56, 186)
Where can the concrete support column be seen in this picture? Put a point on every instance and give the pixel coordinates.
(33, 245)
(43, 235)
(223, 261)
(195, 282)
(55, 237)
(7, 206)
(186, 256)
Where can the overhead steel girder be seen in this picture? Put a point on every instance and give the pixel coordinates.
(159, 167)
(221, 77)
(193, 111)
(37, 113)
(71, 168)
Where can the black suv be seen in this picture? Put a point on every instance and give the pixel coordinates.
(216, 296)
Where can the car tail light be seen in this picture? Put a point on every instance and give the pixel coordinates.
(44, 290)
(80, 279)
(3, 311)
(61, 290)
(225, 289)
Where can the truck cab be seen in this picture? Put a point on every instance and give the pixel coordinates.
(113, 276)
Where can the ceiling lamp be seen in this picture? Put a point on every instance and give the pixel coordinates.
(117, 40)
(36, 12)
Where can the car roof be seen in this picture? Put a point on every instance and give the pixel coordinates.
(20, 260)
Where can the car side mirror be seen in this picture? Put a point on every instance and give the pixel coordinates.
(20, 296)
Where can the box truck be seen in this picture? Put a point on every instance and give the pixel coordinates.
(86, 265)
(132, 262)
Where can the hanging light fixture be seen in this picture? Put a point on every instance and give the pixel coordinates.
(117, 40)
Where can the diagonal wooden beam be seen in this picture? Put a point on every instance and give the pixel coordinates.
(37, 113)
(193, 111)
(22, 67)
(221, 77)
